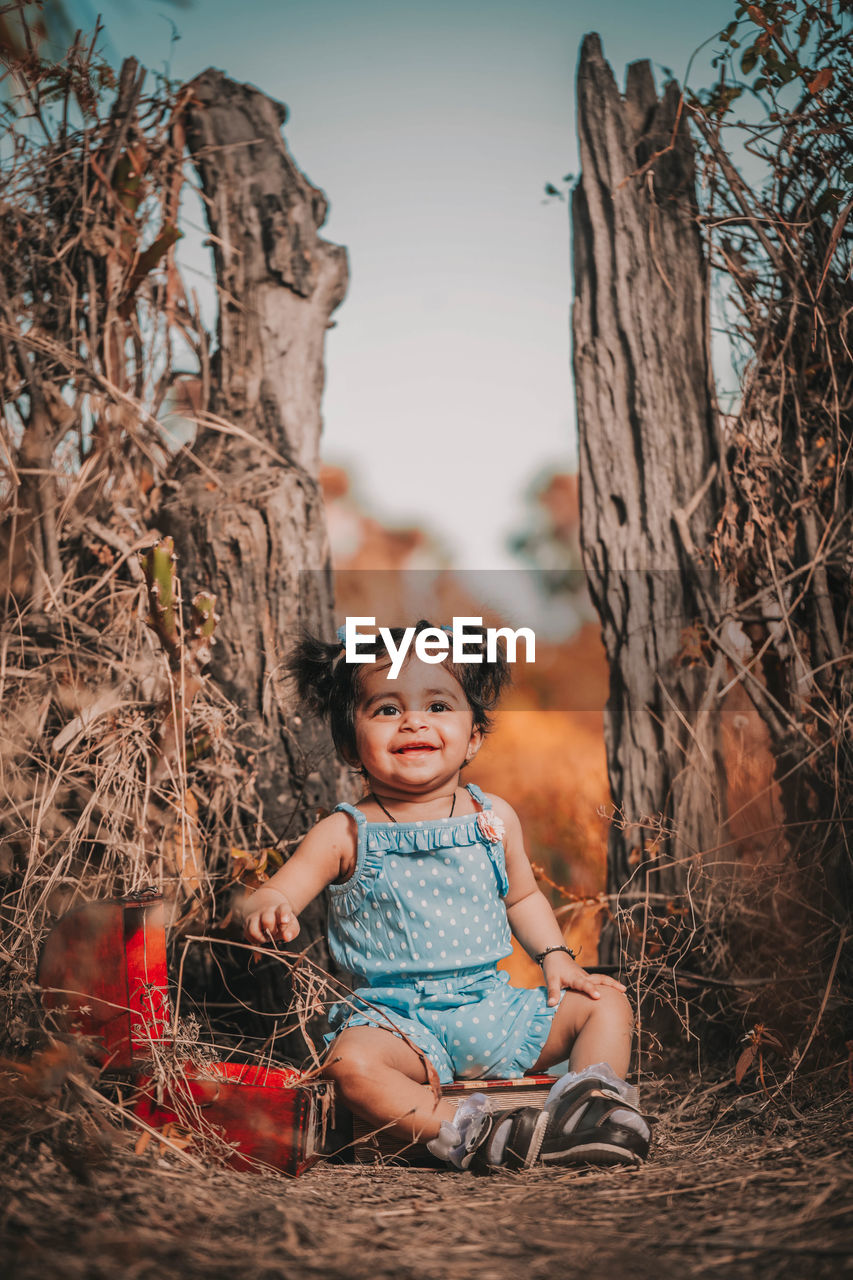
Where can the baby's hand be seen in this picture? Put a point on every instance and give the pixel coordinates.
(562, 973)
(277, 922)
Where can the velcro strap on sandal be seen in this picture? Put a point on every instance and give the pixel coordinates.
(527, 1130)
(591, 1097)
(523, 1143)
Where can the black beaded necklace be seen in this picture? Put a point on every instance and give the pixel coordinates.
(391, 816)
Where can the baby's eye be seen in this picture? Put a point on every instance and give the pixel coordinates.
(438, 706)
(387, 709)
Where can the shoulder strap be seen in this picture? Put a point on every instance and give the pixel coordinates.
(353, 813)
(477, 795)
(346, 898)
(361, 833)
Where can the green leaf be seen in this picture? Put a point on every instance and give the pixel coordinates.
(749, 59)
(829, 201)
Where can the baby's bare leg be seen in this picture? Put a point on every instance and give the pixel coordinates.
(382, 1079)
(588, 1031)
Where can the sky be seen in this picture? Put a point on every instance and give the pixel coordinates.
(433, 129)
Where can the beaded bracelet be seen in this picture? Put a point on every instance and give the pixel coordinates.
(548, 950)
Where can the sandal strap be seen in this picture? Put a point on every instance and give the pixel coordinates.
(580, 1093)
(527, 1131)
(602, 1102)
(523, 1143)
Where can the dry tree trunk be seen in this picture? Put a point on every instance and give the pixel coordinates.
(250, 522)
(648, 469)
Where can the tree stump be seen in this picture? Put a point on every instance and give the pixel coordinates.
(245, 508)
(648, 453)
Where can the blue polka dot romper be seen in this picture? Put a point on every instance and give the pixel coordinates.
(419, 926)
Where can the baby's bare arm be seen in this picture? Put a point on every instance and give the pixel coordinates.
(532, 920)
(327, 853)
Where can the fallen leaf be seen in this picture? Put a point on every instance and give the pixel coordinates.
(744, 1062)
(142, 1142)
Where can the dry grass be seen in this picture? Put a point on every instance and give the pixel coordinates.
(737, 1186)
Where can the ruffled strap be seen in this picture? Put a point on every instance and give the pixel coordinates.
(350, 896)
(476, 794)
(353, 812)
(495, 849)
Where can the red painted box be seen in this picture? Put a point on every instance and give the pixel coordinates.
(103, 973)
(103, 970)
(262, 1111)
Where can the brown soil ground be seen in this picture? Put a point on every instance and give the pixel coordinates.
(737, 1186)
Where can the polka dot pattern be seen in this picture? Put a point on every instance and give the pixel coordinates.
(425, 897)
(419, 926)
(469, 1026)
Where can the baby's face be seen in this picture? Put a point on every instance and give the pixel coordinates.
(413, 732)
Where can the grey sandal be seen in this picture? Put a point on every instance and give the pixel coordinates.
(521, 1149)
(593, 1138)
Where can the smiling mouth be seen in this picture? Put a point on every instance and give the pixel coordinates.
(415, 746)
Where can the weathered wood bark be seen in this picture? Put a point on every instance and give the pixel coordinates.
(250, 523)
(648, 445)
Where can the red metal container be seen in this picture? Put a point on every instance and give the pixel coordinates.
(262, 1112)
(103, 970)
(103, 974)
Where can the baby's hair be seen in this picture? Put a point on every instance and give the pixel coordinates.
(331, 687)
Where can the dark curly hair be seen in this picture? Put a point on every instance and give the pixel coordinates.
(331, 687)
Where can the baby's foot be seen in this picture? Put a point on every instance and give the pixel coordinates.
(483, 1140)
